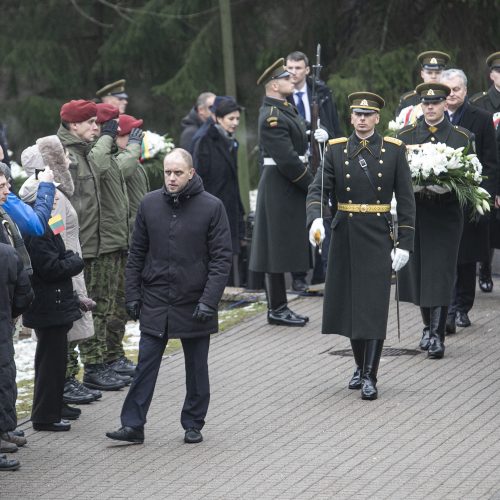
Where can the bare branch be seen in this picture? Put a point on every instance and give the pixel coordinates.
(87, 16)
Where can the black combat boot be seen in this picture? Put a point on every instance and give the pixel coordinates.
(437, 330)
(373, 351)
(426, 318)
(358, 351)
(98, 377)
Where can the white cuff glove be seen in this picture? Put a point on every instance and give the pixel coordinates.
(399, 258)
(321, 135)
(317, 232)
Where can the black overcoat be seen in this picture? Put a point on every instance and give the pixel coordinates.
(216, 163)
(429, 277)
(55, 302)
(280, 242)
(180, 255)
(15, 296)
(475, 242)
(358, 276)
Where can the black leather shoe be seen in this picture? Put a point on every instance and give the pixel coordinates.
(283, 316)
(300, 316)
(369, 389)
(424, 341)
(123, 366)
(299, 285)
(193, 436)
(76, 393)
(70, 413)
(7, 464)
(462, 319)
(451, 326)
(485, 284)
(99, 377)
(355, 382)
(128, 434)
(63, 425)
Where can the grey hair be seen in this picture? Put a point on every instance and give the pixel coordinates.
(4, 170)
(201, 102)
(448, 74)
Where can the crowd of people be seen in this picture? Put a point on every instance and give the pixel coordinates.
(87, 245)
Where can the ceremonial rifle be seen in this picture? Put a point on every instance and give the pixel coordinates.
(315, 153)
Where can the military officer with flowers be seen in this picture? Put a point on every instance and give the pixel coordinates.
(428, 279)
(363, 171)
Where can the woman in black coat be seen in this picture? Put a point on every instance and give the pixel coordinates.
(51, 315)
(215, 161)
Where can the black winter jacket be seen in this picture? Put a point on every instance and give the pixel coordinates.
(53, 266)
(180, 255)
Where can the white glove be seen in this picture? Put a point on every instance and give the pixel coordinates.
(46, 176)
(399, 258)
(321, 135)
(317, 232)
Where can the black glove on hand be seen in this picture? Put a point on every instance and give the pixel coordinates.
(133, 309)
(203, 313)
(135, 136)
(110, 128)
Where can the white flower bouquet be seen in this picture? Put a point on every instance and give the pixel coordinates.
(154, 144)
(437, 168)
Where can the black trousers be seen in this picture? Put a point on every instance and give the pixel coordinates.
(50, 373)
(275, 290)
(464, 290)
(140, 394)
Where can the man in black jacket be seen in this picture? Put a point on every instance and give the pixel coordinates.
(177, 269)
(475, 244)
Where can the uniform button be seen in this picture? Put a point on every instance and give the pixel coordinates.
(433, 139)
(380, 174)
(348, 176)
(379, 189)
(350, 201)
(345, 151)
(381, 161)
(350, 214)
(347, 188)
(347, 162)
(378, 201)
(378, 215)
(383, 150)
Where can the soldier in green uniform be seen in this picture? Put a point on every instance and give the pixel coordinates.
(429, 278)
(490, 101)
(432, 62)
(363, 171)
(279, 242)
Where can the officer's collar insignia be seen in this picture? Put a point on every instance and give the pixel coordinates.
(364, 142)
(433, 129)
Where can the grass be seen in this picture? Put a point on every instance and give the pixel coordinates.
(228, 317)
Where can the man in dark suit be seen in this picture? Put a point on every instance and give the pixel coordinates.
(474, 245)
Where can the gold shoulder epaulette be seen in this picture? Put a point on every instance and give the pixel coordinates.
(398, 142)
(338, 140)
(408, 128)
(475, 97)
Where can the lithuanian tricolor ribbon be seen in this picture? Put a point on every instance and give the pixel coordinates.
(56, 224)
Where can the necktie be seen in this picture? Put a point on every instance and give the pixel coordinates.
(300, 104)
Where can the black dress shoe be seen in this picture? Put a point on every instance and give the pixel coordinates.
(425, 341)
(451, 326)
(369, 389)
(128, 434)
(299, 285)
(7, 464)
(300, 316)
(485, 284)
(193, 436)
(283, 316)
(70, 413)
(355, 382)
(462, 319)
(63, 425)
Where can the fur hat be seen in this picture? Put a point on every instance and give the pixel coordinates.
(78, 111)
(53, 155)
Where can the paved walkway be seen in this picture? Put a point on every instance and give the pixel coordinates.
(282, 423)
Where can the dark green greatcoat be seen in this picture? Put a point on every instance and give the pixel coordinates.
(280, 241)
(358, 276)
(429, 277)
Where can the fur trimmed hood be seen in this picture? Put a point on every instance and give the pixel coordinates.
(53, 155)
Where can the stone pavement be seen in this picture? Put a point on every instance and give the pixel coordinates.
(282, 423)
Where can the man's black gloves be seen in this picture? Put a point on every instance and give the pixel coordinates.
(110, 128)
(203, 313)
(135, 136)
(133, 309)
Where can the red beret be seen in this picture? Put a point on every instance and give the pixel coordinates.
(127, 123)
(78, 111)
(106, 112)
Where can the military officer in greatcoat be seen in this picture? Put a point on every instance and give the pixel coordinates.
(432, 63)
(429, 278)
(363, 171)
(490, 101)
(280, 243)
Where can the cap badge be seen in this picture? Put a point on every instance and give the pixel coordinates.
(433, 60)
(430, 92)
(364, 102)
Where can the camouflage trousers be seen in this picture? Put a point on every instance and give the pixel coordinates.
(102, 276)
